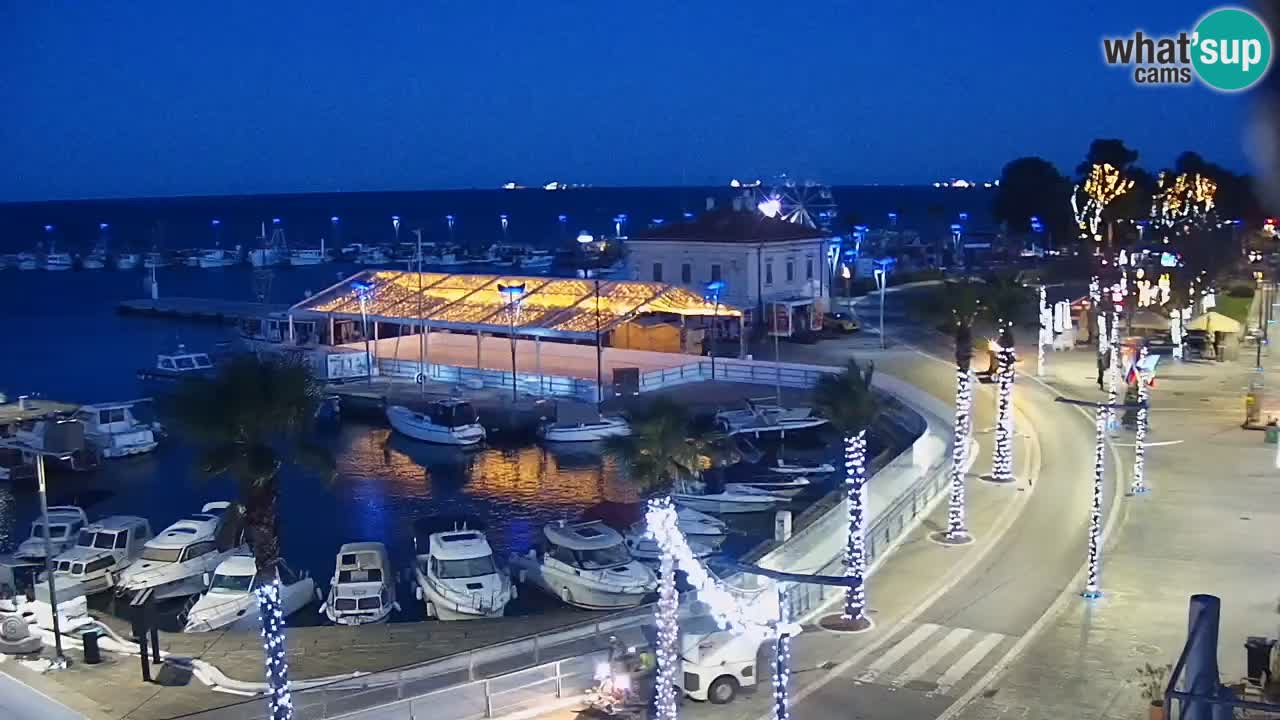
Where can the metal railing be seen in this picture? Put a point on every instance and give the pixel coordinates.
(753, 372)
(528, 383)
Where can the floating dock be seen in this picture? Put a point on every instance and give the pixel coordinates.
(202, 309)
(17, 410)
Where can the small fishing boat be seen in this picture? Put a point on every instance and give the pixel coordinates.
(65, 523)
(361, 592)
(445, 422)
(128, 261)
(764, 415)
(154, 259)
(783, 487)
(587, 565)
(28, 261)
(171, 367)
(645, 547)
(738, 500)
(95, 260)
(102, 550)
(458, 578)
(231, 603)
(578, 422)
(56, 261)
(308, 256)
(174, 563)
(115, 432)
(785, 468)
(214, 258)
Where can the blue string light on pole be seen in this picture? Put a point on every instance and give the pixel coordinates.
(271, 610)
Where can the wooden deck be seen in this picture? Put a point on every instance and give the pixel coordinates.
(36, 408)
(202, 309)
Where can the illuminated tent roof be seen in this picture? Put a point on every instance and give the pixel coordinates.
(562, 307)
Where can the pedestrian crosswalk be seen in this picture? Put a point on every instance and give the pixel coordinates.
(933, 658)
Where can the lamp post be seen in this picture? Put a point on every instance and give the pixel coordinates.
(506, 240)
(881, 274)
(395, 224)
(513, 293)
(714, 288)
(363, 291)
(848, 283)
(59, 661)
(585, 238)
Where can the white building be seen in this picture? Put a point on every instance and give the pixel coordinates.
(767, 265)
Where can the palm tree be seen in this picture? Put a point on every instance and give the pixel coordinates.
(663, 453)
(965, 302)
(848, 402)
(1005, 300)
(248, 421)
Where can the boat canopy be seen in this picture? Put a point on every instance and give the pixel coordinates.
(548, 307)
(593, 535)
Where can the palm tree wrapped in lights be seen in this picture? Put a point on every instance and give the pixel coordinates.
(1005, 301)
(663, 453)
(965, 304)
(849, 403)
(248, 421)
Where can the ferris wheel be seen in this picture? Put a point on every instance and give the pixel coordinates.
(806, 203)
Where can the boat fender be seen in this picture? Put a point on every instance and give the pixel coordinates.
(417, 593)
(319, 596)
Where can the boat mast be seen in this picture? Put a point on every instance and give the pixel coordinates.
(422, 337)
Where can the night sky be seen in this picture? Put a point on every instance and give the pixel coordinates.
(174, 98)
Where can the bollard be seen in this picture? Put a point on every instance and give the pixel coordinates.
(92, 653)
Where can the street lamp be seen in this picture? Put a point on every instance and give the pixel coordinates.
(364, 291)
(513, 294)
(881, 273)
(847, 274)
(503, 219)
(60, 661)
(585, 238)
(714, 288)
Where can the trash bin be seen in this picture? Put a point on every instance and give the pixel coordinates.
(1273, 434)
(1258, 658)
(92, 653)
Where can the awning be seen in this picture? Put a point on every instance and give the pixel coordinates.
(1215, 322)
(558, 307)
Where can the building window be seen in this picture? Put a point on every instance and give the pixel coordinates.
(686, 273)
(657, 272)
(791, 271)
(768, 273)
(715, 273)
(808, 268)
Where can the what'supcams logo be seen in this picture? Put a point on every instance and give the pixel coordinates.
(1229, 50)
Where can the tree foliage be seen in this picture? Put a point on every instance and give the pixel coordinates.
(1033, 187)
(846, 399)
(664, 451)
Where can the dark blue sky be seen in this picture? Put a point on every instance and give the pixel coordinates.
(171, 98)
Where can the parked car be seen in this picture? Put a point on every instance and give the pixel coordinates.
(841, 322)
(804, 337)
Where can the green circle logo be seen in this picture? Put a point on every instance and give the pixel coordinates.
(1232, 49)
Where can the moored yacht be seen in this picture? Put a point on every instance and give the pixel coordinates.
(28, 261)
(763, 416)
(783, 486)
(645, 547)
(362, 590)
(458, 578)
(308, 256)
(155, 259)
(174, 563)
(577, 422)
(95, 260)
(730, 501)
(65, 523)
(179, 365)
(586, 565)
(373, 255)
(445, 422)
(58, 261)
(785, 468)
(102, 550)
(231, 603)
(114, 431)
(215, 258)
(128, 261)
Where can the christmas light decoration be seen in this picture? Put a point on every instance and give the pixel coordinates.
(956, 531)
(1046, 332)
(1140, 434)
(1002, 454)
(1092, 588)
(1175, 332)
(1113, 376)
(1101, 188)
(271, 610)
(1182, 199)
(781, 662)
(668, 631)
(855, 561)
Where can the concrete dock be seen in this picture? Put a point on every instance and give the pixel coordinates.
(203, 309)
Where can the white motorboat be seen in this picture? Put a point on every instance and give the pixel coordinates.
(644, 546)
(171, 367)
(586, 565)
(215, 258)
(362, 590)
(231, 603)
(102, 550)
(28, 261)
(534, 259)
(58, 261)
(174, 563)
(577, 422)
(373, 255)
(783, 487)
(308, 256)
(785, 468)
(114, 431)
(62, 435)
(701, 526)
(766, 416)
(128, 261)
(737, 500)
(459, 579)
(445, 422)
(95, 260)
(65, 523)
(154, 260)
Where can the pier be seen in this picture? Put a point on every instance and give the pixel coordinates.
(202, 309)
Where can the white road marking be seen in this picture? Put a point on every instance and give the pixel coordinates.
(1149, 444)
(931, 658)
(956, 672)
(895, 653)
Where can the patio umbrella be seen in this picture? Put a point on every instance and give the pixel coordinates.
(1215, 322)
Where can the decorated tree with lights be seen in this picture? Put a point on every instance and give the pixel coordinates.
(848, 402)
(964, 300)
(248, 421)
(1005, 300)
